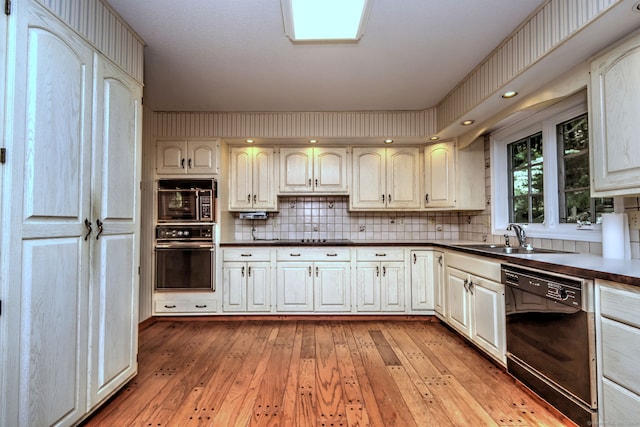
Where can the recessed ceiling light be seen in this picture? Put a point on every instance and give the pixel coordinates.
(434, 138)
(388, 141)
(313, 141)
(324, 20)
(467, 122)
(509, 94)
(249, 141)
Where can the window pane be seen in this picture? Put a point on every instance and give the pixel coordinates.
(536, 148)
(602, 205)
(576, 172)
(575, 134)
(520, 212)
(578, 206)
(536, 179)
(537, 209)
(520, 179)
(519, 154)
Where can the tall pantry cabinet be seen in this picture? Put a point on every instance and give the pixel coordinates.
(70, 222)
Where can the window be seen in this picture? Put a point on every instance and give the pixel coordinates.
(540, 174)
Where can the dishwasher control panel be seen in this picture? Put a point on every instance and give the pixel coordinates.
(561, 289)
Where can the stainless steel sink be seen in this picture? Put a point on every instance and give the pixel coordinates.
(502, 249)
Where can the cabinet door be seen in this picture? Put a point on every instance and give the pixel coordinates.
(264, 179)
(50, 197)
(259, 286)
(439, 287)
(614, 126)
(403, 172)
(116, 254)
(294, 286)
(368, 282)
(440, 175)
(171, 157)
(369, 188)
(458, 300)
(488, 316)
(392, 287)
(330, 170)
(296, 170)
(332, 286)
(422, 280)
(241, 178)
(202, 157)
(234, 286)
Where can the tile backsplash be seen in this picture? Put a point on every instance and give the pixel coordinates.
(328, 217)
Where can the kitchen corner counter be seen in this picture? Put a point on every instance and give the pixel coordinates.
(572, 264)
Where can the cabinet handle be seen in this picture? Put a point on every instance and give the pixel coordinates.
(249, 272)
(377, 271)
(389, 199)
(384, 271)
(246, 254)
(87, 224)
(189, 163)
(255, 198)
(309, 182)
(294, 254)
(100, 228)
(415, 258)
(426, 198)
(383, 198)
(201, 306)
(440, 260)
(182, 163)
(382, 254)
(316, 271)
(309, 271)
(332, 254)
(249, 198)
(242, 271)
(465, 283)
(471, 285)
(316, 182)
(169, 306)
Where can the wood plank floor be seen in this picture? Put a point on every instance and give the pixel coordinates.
(323, 373)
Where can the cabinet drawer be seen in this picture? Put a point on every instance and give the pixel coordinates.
(619, 405)
(316, 254)
(186, 306)
(478, 266)
(380, 254)
(620, 304)
(246, 254)
(620, 349)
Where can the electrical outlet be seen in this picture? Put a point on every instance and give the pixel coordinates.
(634, 220)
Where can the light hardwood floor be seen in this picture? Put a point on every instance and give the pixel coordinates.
(325, 373)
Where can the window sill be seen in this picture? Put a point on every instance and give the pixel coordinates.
(568, 232)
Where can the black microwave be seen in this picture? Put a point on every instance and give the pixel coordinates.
(185, 203)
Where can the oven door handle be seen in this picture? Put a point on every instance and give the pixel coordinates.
(167, 247)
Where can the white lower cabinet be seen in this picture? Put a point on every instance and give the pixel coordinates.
(475, 304)
(618, 338)
(184, 304)
(380, 280)
(313, 280)
(247, 280)
(426, 276)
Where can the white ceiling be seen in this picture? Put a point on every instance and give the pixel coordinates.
(233, 55)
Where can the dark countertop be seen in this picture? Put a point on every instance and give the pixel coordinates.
(571, 264)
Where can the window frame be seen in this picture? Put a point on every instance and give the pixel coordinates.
(544, 120)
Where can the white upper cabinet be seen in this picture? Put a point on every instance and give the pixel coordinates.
(386, 178)
(313, 169)
(180, 157)
(614, 126)
(440, 175)
(252, 181)
(453, 177)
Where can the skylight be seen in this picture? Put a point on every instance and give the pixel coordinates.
(324, 20)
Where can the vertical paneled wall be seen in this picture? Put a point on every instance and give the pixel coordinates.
(296, 124)
(552, 24)
(102, 27)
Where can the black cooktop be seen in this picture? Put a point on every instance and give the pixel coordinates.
(318, 242)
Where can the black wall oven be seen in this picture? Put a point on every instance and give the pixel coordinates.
(551, 339)
(185, 257)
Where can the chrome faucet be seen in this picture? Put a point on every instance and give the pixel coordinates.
(520, 233)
